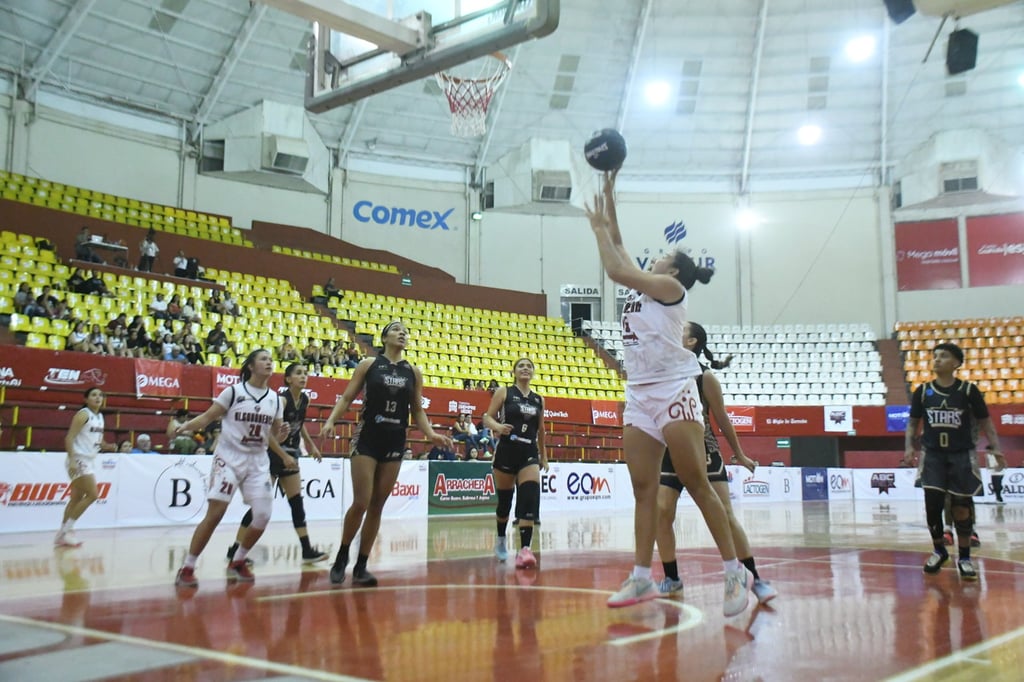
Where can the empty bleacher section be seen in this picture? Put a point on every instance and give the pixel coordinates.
(344, 261)
(993, 350)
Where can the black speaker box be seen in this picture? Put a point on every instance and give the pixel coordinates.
(962, 51)
(900, 10)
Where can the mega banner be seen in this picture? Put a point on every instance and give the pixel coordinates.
(156, 377)
(928, 255)
(995, 248)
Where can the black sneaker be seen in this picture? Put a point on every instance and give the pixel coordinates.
(364, 578)
(313, 556)
(338, 571)
(966, 569)
(231, 555)
(935, 562)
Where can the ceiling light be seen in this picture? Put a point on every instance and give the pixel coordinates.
(476, 215)
(747, 219)
(1020, 80)
(860, 49)
(808, 135)
(657, 93)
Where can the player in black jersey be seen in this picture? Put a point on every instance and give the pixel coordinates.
(284, 464)
(394, 390)
(952, 411)
(696, 339)
(516, 415)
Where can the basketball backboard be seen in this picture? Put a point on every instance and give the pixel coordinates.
(360, 51)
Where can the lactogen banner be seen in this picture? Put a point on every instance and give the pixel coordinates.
(995, 247)
(928, 255)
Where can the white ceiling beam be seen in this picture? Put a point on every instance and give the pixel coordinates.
(634, 60)
(53, 50)
(345, 18)
(345, 144)
(227, 66)
(755, 77)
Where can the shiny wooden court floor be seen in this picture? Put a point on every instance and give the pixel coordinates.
(853, 605)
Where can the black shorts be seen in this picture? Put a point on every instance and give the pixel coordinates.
(511, 458)
(384, 445)
(715, 468)
(277, 469)
(955, 472)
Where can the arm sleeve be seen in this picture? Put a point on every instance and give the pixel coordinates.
(977, 401)
(917, 403)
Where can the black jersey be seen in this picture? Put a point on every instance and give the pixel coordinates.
(294, 416)
(389, 389)
(710, 440)
(523, 414)
(950, 414)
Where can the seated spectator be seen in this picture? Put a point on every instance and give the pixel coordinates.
(181, 264)
(480, 385)
(217, 341)
(492, 386)
(191, 348)
(165, 327)
(143, 445)
(170, 351)
(94, 285)
(60, 311)
(230, 305)
(23, 298)
(467, 384)
(311, 353)
(118, 343)
(442, 453)
(158, 308)
(174, 307)
(119, 321)
(462, 432)
(189, 312)
(212, 437)
(482, 438)
(215, 304)
(331, 289)
(83, 247)
(99, 341)
(352, 355)
(124, 447)
(183, 443)
(287, 352)
(76, 281)
(407, 454)
(78, 339)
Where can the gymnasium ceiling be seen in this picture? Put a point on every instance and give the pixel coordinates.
(190, 60)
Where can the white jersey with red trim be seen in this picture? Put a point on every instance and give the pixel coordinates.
(246, 426)
(88, 441)
(652, 340)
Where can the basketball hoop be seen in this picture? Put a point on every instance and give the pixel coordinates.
(469, 97)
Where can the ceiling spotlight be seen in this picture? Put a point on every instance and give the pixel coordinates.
(477, 215)
(746, 219)
(1020, 80)
(657, 93)
(860, 49)
(808, 135)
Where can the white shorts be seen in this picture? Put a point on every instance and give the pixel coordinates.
(78, 466)
(252, 480)
(652, 407)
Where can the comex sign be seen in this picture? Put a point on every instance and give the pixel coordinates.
(365, 211)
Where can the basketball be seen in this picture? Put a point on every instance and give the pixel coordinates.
(605, 150)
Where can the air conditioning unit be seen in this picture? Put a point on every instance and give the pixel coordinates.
(285, 154)
(552, 186)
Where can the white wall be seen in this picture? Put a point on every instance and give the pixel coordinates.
(246, 202)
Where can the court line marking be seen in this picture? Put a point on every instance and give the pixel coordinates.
(957, 657)
(694, 615)
(208, 654)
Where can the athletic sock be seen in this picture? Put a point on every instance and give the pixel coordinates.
(749, 563)
(965, 552)
(642, 572)
(732, 564)
(241, 554)
(671, 569)
(525, 535)
(342, 557)
(360, 566)
(502, 526)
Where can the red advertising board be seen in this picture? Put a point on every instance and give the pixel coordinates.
(928, 255)
(995, 249)
(156, 377)
(606, 412)
(744, 419)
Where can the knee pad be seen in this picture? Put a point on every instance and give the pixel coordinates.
(965, 525)
(528, 501)
(261, 510)
(247, 519)
(298, 511)
(505, 502)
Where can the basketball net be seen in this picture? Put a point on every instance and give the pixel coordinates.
(469, 97)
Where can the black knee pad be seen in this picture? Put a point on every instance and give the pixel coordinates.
(247, 519)
(505, 502)
(528, 501)
(298, 511)
(966, 525)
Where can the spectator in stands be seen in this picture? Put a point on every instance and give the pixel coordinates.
(165, 327)
(83, 247)
(143, 445)
(181, 264)
(442, 452)
(23, 298)
(83, 443)
(174, 307)
(352, 355)
(76, 282)
(467, 384)
(189, 312)
(492, 386)
(461, 432)
(485, 434)
(171, 351)
(183, 442)
(118, 343)
(473, 455)
(212, 436)
(217, 341)
(408, 454)
(215, 304)
(287, 352)
(120, 321)
(331, 289)
(311, 353)
(136, 337)
(99, 340)
(124, 447)
(78, 339)
(480, 385)
(158, 307)
(94, 285)
(148, 251)
(191, 348)
(230, 305)
(61, 311)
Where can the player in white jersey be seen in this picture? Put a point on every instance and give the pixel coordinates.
(663, 407)
(251, 416)
(83, 442)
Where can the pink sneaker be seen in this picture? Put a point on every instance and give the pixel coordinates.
(525, 559)
(239, 570)
(186, 577)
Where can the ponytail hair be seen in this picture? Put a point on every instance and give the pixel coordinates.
(688, 272)
(246, 372)
(698, 333)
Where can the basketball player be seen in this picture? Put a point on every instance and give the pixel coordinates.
(83, 442)
(284, 465)
(953, 411)
(662, 401)
(394, 390)
(251, 416)
(695, 339)
(516, 414)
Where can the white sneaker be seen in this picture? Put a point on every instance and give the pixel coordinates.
(764, 591)
(634, 591)
(669, 587)
(501, 549)
(737, 588)
(67, 539)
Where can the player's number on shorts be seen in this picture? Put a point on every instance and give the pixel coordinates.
(944, 440)
(255, 430)
(226, 488)
(391, 406)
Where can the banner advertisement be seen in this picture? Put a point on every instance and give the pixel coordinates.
(896, 418)
(840, 484)
(461, 488)
(156, 377)
(221, 378)
(589, 486)
(928, 255)
(742, 418)
(34, 490)
(769, 484)
(995, 248)
(606, 412)
(409, 495)
(838, 418)
(886, 484)
(815, 483)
